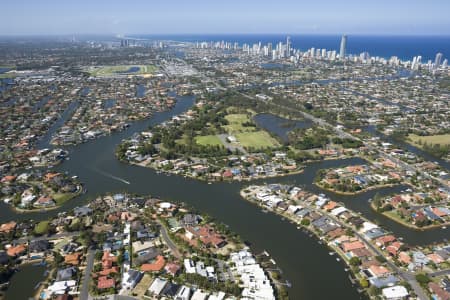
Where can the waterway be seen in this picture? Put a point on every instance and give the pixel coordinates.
(306, 264)
(278, 125)
(23, 284)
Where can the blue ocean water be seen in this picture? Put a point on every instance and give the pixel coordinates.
(405, 47)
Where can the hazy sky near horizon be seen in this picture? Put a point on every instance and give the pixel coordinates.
(227, 16)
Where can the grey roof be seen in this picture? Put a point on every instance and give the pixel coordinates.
(65, 274)
(374, 233)
(383, 281)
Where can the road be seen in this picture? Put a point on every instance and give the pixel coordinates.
(44, 237)
(440, 273)
(84, 291)
(169, 242)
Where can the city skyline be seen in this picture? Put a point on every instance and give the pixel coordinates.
(202, 17)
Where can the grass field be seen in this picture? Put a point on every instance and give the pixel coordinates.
(235, 123)
(208, 140)
(41, 227)
(122, 69)
(60, 198)
(443, 139)
(257, 139)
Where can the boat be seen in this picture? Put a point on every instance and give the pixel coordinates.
(338, 259)
(444, 227)
(330, 253)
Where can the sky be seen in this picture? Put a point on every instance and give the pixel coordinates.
(57, 17)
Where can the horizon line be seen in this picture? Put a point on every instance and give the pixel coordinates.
(222, 33)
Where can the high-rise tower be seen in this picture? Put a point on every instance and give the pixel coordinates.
(343, 47)
(288, 46)
(438, 60)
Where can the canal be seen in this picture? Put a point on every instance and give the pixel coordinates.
(305, 263)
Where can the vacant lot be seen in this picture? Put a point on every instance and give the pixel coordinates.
(208, 140)
(442, 139)
(257, 139)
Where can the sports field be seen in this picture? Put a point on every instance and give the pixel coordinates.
(417, 140)
(208, 140)
(122, 69)
(257, 139)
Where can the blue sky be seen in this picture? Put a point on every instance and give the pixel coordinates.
(224, 16)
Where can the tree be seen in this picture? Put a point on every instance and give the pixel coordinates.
(355, 261)
(422, 279)
(364, 283)
(305, 222)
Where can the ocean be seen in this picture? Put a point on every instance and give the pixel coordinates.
(405, 47)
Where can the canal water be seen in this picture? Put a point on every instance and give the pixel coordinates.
(305, 263)
(278, 125)
(24, 283)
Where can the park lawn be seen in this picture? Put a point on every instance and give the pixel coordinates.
(257, 139)
(396, 217)
(235, 122)
(208, 140)
(41, 227)
(60, 198)
(442, 139)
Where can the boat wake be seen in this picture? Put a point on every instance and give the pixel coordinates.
(111, 176)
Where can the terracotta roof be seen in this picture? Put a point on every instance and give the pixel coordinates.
(157, 265)
(105, 282)
(7, 227)
(349, 246)
(440, 293)
(72, 259)
(16, 250)
(378, 270)
(172, 268)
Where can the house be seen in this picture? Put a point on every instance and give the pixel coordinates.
(384, 240)
(8, 227)
(395, 292)
(350, 246)
(108, 259)
(206, 235)
(199, 295)
(157, 286)
(61, 287)
(378, 271)
(156, 266)
(44, 201)
(105, 283)
(440, 293)
(66, 274)
(184, 293)
(73, 259)
(146, 255)
(172, 268)
(39, 246)
(82, 211)
(170, 290)
(404, 257)
(14, 251)
(131, 279)
(4, 258)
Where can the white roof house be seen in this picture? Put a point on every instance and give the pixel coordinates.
(395, 292)
(157, 286)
